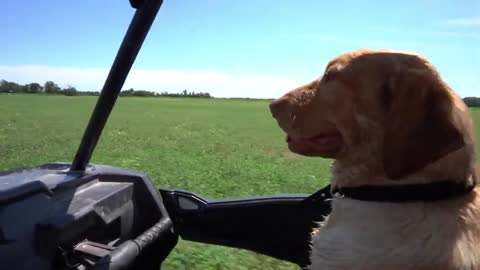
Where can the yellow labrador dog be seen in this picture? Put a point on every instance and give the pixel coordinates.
(404, 163)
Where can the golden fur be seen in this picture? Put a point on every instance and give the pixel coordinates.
(387, 118)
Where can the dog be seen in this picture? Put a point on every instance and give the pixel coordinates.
(403, 171)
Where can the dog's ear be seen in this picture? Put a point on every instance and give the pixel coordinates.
(419, 124)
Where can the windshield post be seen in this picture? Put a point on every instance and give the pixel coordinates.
(131, 44)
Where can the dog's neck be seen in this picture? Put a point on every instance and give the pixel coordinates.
(457, 166)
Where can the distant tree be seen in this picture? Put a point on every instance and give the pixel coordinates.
(51, 88)
(69, 91)
(33, 88)
(138, 93)
(10, 87)
(184, 93)
(472, 101)
(88, 93)
(3, 86)
(127, 93)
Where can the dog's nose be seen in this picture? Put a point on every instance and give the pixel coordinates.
(279, 107)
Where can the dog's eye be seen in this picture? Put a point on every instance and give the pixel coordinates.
(328, 76)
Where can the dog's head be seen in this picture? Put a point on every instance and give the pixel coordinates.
(391, 109)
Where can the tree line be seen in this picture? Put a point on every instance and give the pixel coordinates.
(52, 88)
(472, 101)
(145, 93)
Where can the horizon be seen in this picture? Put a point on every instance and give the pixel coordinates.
(232, 49)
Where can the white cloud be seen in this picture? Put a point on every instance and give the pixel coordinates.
(217, 84)
(473, 21)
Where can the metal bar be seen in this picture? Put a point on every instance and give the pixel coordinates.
(131, 44)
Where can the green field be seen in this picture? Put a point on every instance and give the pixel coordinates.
(214, 147)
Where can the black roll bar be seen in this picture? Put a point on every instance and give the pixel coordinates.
(131, 44)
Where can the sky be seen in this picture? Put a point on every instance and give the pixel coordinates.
(232, 48)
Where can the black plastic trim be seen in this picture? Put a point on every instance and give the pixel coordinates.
(278, 226)
(131, 44)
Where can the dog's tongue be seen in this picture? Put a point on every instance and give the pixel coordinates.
(319, 143)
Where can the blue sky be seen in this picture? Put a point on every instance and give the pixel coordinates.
(230, 47)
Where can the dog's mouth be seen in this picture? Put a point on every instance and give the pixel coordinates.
(324, 144)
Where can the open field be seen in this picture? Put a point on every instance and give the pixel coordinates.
(217, 148)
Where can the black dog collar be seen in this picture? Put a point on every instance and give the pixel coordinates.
(406, 193)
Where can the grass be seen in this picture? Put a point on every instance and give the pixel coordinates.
(217, 148)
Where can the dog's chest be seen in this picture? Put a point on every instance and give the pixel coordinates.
(372, 235)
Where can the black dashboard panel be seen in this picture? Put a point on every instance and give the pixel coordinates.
(46, 211)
